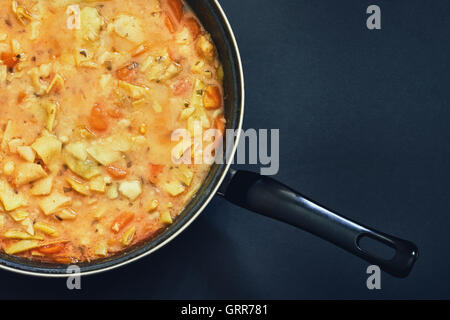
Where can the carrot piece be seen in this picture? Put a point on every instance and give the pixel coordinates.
(9, 59)
(176, 9)
(181, 87)
(121, 221)
(169, 24)
(116, 172)
(52, 248)
(22, 95)
(127, 73)
(97, 119)
(192, 25)
(64, 260)
(154, 171)
(141, 49)
(212, 99)
(220, 124)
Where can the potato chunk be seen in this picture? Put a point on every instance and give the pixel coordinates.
(22, 246)
(38, 73)
(112, 192)
(98, 184)
(197, 103)
(45, 228)
(174, 188)
(19, 234)
(135, 92)
(8, 168)
(26, 153)
(128, 236)
(160, 68)
(51, 109)
(28, 224)
(47, 148)
(67, 214)
(79, 187)
(128, 27)
(103, 154)
(107, 151)
(91, 24)
(165, 217)
(18, 215)
(86, 169)
(152, 205)
(205, 47)
(183, 174)
(78, 150)
(9, 198)
(130, 189)
(42, 187)
(14, 144)
(54, 202)
(28, 172)
(8, 134)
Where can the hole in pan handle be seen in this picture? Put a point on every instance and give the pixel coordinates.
(272, 199)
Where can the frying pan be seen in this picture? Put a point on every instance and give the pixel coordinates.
(246, 189)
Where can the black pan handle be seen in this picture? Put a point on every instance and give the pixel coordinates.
(270, 198)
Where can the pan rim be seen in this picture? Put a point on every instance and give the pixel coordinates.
(208, 199)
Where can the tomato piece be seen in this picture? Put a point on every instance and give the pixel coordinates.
(52, 248)
(192, 25)
(9, 59)
(212, 99)
(154, 171)
(97, 119)
(181, 87)
(176, 9)
(127, 73)
(121, 221)
(116, 172)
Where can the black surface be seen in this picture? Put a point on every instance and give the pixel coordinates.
(363, 118)
(272, 199)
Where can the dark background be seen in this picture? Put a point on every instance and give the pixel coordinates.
(364, 124)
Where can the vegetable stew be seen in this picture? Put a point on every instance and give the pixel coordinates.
(90, 94)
